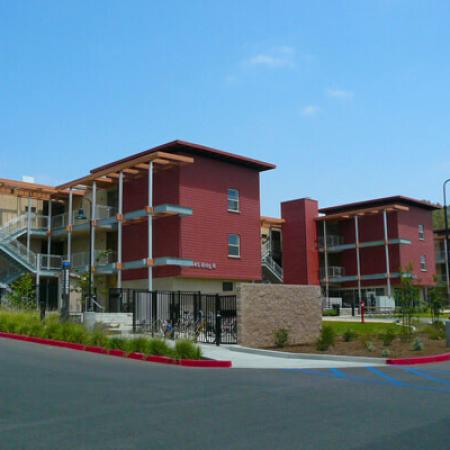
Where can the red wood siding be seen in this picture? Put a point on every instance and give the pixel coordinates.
(300, 254)
(202, 237)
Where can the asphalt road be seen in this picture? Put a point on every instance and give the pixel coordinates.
(52, 398)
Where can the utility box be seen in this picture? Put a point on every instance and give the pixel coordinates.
(447, 332)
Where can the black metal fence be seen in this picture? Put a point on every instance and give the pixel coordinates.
(208, 318)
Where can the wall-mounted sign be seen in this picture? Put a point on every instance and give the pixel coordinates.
(204, 265)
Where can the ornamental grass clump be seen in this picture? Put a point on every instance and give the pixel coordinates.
(185, 349)
(159, 347)
(417, 345)
(139, 345)
(349, 335)
(387, 336)
(117, 343)
(281, 337)
(327, 338)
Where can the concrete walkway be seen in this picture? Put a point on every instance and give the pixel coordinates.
(247, 358)
(358, 319)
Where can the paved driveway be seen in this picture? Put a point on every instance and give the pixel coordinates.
(53, 398)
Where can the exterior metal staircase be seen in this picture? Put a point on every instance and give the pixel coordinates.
(15, 258)
(274, 270)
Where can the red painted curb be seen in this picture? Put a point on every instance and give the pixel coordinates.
(161, 359)
(96, 349)
(117, 352)
(136, 355)
(207, 363)
(419, 360)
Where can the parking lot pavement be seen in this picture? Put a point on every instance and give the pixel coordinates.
(243, 358)
(56, 398)
(435, 378)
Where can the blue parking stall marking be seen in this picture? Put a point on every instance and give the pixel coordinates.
(441, 372)
(338, 373)
(385, 376)
(381, 379)
(422, 374)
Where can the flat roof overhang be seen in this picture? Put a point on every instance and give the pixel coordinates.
(131, 167)
(185, 147)
(380, 202)
(32, 190)
(362, 212)
(273, 222)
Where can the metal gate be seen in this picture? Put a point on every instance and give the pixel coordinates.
(208, 318)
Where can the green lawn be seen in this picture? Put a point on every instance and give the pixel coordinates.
(361, 328)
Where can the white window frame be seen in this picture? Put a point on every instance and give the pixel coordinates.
(233, 199)
(423, 263)
(238, 246)
(421, 232)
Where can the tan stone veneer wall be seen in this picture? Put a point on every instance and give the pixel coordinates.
(264, 308)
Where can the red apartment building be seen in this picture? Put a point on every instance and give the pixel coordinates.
(185, 217)
(357, 251)
(178, 217)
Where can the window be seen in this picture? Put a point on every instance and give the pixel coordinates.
(234, 246)
(423, 263)
(227, 286)
(233, 200)
(421, 232)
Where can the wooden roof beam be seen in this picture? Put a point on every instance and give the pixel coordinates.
(361, 212)
(126, 167)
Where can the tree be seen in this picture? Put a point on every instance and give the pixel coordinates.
(437, 298)
(23, 293)
(439, 219)
(407, 295)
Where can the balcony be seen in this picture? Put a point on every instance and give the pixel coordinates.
(333, 240)
(101, 213)
(440, 257)
(333, 272)
(102, 258)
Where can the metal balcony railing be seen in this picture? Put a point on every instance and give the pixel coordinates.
(440, 256)
(102, 258)
(333, 272)
(101, 212)
(333, 240)
(50, 262)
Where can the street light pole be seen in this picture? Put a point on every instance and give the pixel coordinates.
(90, 262)
(447, 246)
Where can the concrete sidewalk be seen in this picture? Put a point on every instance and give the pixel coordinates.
(247, 358)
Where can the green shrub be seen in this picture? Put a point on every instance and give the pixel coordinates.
(117, 343)
(159, 347)
(97, 336)
(327, 338)
(349, 335)
(387, 336)
(385, 353)
(369, 346)
(139, 344)
(185, 349)
(74, 332)
(329, 313)
(417, 345)
(435, 331)
(281, 337)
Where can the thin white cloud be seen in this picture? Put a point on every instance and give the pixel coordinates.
(310, 110)
(340, 94)
(276, 58)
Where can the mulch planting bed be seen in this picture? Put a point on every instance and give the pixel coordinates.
(357, 347)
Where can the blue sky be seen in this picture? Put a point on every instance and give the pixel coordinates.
(351, 99)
